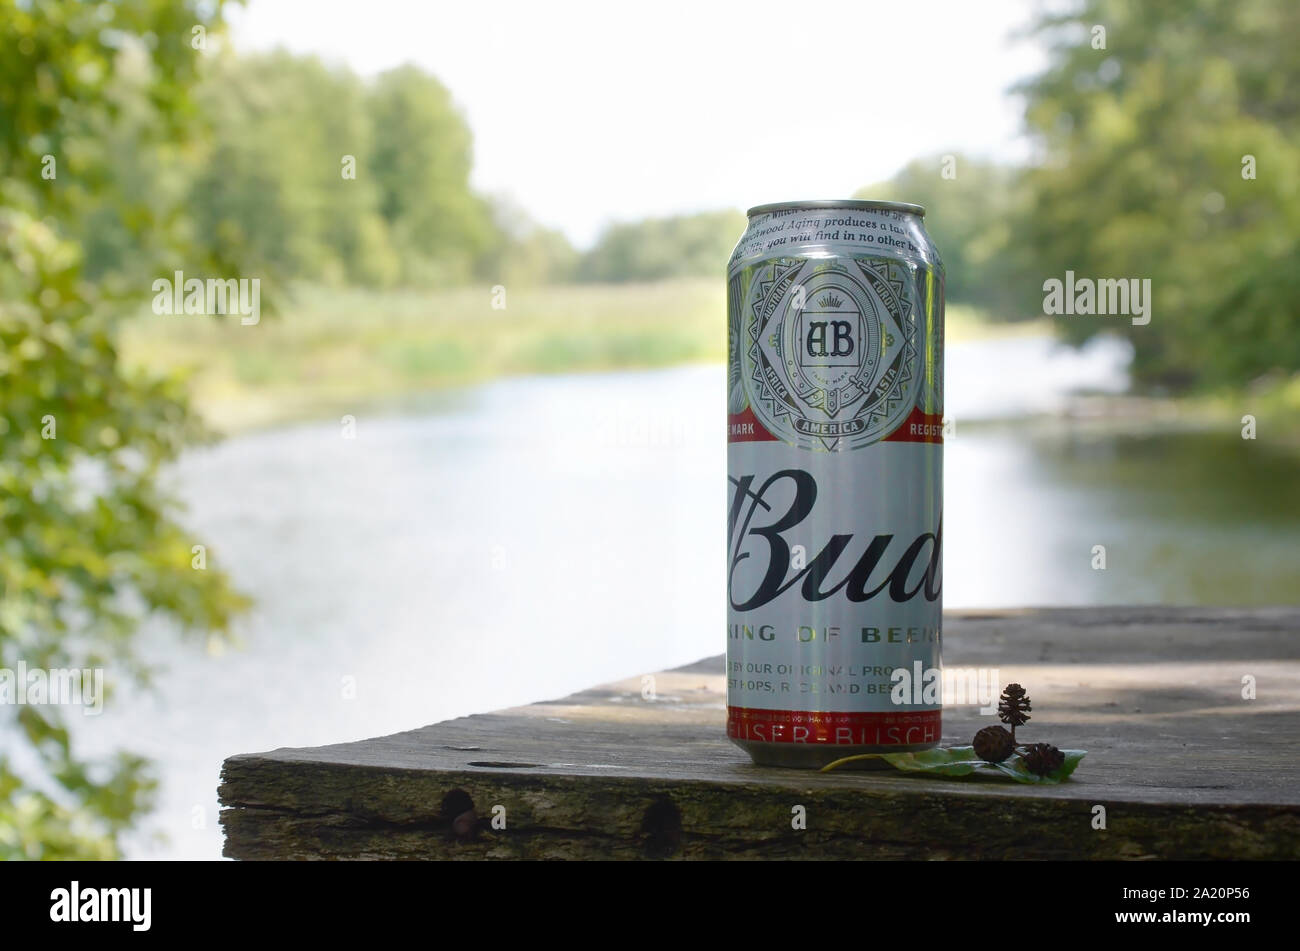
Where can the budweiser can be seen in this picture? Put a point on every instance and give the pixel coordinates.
(835, 472)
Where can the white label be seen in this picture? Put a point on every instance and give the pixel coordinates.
(834, 575)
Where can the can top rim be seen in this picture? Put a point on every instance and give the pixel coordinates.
(857, 204)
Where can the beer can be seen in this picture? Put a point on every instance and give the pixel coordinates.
(835, 482)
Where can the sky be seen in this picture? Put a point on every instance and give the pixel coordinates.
(588, 113)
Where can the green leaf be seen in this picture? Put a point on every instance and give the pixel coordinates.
(953, 761)
(962, 761)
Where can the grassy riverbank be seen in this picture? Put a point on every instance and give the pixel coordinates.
(328, 352)
(338, 351)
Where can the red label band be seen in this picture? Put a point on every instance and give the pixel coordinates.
(894, 728)
(745, 427)
(918, 427)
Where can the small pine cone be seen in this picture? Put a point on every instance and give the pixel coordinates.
(1042, 758)
(1013, 706)
(993, 744)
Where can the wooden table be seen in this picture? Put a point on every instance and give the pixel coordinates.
(1183, 765)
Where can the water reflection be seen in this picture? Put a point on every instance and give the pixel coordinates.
(1184, 518)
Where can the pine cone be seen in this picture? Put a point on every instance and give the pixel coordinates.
(1042, 758)
(993, 744)
(1013, 707)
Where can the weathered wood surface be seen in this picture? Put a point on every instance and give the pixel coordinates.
(1184, 766)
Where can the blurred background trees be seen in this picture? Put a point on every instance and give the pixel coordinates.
(1171, 153)
(658, 248)
(1174, 154)
(973, 210)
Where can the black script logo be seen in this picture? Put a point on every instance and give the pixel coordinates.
(755, 529)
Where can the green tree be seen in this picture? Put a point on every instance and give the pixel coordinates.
(284, 182)
(421, 159)
(523, 252)
(88, 543)
(973, 208)
(657, 248)
(1149, 138)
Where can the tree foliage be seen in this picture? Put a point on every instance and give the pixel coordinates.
(1147, 150)
(270, 184)
(89, 544)
(524, 252)
(657, 248)
(973, 208)
(421, 161)
(320, 176)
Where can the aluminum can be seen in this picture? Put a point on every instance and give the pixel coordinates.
(835, 483)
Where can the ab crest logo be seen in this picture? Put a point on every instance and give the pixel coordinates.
(833, 361)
